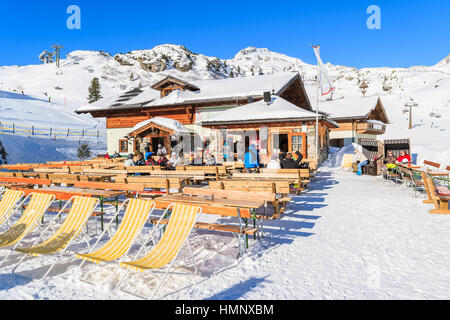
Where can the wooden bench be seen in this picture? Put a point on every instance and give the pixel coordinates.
(215, 171)
(142, 169)
(26, 181)
(194, 176)
(218, 227)
(278, 186)
(68, 179)
(292, 178)
(216, 210)
(273, 187)
(11, 174)
(106, 171)
(268, 197)
(50, 170)
(304, 176)
(155, 183)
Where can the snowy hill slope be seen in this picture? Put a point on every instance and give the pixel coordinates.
(429, 86)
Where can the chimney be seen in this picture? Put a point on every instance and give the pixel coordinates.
(267, 97)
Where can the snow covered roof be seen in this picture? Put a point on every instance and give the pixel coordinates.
(170, 124)
(278, 110)
(349, 107)
(210, 91)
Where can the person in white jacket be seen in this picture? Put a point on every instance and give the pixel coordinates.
(274, 163)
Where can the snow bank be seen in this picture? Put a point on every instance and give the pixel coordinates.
(35, 150)
(334, 160)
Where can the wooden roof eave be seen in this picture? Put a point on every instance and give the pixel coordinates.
(287, 85)
(330, 123)
(148, 126)
(157, 86)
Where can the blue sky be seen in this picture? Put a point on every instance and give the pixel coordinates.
(413, 32)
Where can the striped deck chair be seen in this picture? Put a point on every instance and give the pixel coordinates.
(36, 208)
(81, 210)
(9, 201)
(165, 252)
(137, 214)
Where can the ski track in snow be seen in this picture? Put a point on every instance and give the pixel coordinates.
(347, 237)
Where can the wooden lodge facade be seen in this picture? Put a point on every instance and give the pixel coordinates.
(363, 118)
(192, 106)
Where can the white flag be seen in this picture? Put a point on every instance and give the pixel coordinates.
(325, 82)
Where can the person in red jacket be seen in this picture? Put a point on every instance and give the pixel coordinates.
(404, 157)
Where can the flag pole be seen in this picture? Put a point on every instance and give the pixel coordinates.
(317, 115)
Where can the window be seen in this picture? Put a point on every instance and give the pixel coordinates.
(297, 142)
(136, 145)
(123, 145)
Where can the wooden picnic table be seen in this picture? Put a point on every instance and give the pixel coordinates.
(100, 176)
(246, 204)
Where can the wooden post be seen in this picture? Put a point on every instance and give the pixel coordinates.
(217, 174)
(167, 186)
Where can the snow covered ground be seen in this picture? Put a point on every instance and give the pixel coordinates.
(24, 110)
(347, 237)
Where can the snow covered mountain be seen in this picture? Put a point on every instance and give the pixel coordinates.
(67, 86)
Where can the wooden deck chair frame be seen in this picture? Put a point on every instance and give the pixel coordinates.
(432, 193)
(412, 181)
(30, 229)
(107, 230)
(7, 215)
(51, 225)
(168, 266)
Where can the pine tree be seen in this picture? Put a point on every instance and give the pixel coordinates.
(3, 154)
(94, 91)
(84, 151)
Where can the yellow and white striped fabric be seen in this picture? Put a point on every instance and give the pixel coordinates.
(28, 221)
(82, 208)
(9, 200)
(133, 221)
(181, 222)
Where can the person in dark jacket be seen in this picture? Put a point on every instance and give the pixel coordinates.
(287, 160)
(139, 159)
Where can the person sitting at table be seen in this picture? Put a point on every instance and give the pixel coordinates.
(210, 160)
(287, 160)
(139, 159)
(162, 161)
(274, 163)
(115, 155)
(147, 154)
(174, 160)
(129, 162)
(389, 161)
(151, 161)
(404, 158)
